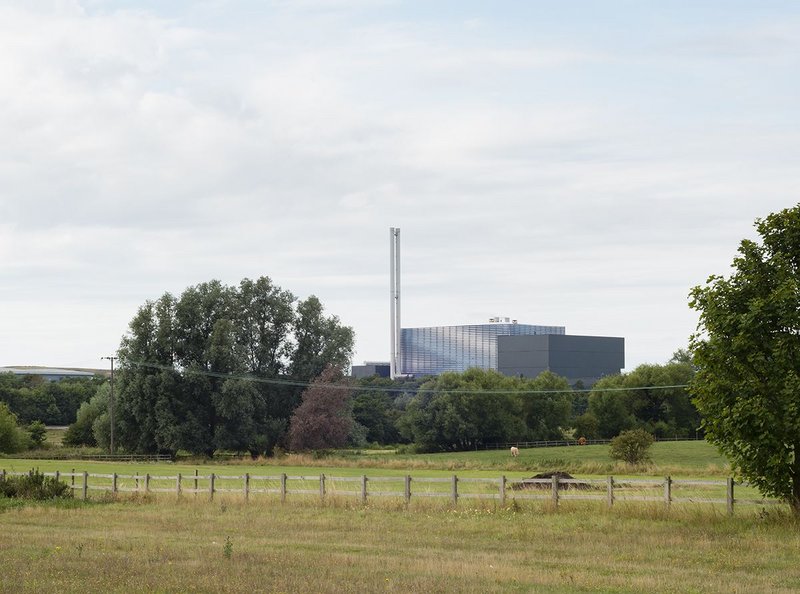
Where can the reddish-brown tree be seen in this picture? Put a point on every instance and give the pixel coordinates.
(324, 418)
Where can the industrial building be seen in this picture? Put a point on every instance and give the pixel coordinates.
(577, 358)
(47, 373)
(503, 345)
(433, 350)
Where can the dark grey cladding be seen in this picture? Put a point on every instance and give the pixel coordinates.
(584, 358)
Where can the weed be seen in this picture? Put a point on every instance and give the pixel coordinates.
(227, 548)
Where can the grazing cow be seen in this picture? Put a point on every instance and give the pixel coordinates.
(514, 451)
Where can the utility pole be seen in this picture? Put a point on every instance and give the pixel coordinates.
(111, 403)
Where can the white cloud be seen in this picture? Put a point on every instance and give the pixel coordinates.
(543, 179)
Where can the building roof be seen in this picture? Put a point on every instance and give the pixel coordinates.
(48, 371)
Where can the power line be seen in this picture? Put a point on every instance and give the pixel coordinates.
(387, 389)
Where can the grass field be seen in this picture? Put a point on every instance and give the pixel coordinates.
(140, 543)
(689, 458)
(228, 547)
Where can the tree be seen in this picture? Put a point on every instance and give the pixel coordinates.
(462, 411)
(324, 419)
(650, 397)
(12, 437)
(747, 350)
(548, 409)
(632, 446)
(609, 407)
(81, 432)
(215, 368)
(587, 426)
(38, 434)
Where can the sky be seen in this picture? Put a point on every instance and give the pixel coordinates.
(581, 164)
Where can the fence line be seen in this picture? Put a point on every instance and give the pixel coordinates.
(50, 455)
(552, 443)
(555, 490)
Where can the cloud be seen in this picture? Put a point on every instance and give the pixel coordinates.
(549, 177)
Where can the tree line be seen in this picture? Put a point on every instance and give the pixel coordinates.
(33, 398)
(250, 367)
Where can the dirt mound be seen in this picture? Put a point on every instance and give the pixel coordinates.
(526, 484)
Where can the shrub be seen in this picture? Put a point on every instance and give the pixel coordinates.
(632, 446)
(38, 433)
(34, 485)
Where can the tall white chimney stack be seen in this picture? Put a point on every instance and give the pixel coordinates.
(394, 300)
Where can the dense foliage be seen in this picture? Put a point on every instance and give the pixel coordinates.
(33, 398)
(92, 425)
(457, 411)
(747, 350)
(219, 367)
(642, 399)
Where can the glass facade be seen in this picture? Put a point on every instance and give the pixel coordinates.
(431, 351)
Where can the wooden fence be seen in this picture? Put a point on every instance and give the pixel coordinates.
(554, 443)
(554, 490)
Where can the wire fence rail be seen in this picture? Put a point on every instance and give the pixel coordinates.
(554, 490)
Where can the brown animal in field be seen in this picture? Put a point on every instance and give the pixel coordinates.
(514, 451)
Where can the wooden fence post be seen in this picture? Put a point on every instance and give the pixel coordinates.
(667, 491)
(454, 493)
(195, 482)
(85, 485)
(554, 485)
(72, 483)
(178, 485)
(147, 482)
(136, 481)
(3, 474)
(246, 487)
(58, 476)
(322, 486)
(610, 491)
(408, 489)
(503, 490)
(729, 495)
(211, 487)
(283, 487)
(363, 488)
(114, 483)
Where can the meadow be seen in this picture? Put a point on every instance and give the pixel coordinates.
(189, 546)
(146, 543)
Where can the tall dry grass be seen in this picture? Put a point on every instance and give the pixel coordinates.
(148, 544)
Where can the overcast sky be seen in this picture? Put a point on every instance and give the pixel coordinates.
(581, 164)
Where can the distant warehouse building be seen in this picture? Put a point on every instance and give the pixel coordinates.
(370, 369)
(47, 373)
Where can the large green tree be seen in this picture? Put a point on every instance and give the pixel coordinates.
(747, 351)
(217, 367)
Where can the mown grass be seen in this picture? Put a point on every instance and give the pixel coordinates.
(229, 546)
(681, 459)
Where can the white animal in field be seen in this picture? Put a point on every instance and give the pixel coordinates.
(514, 451)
